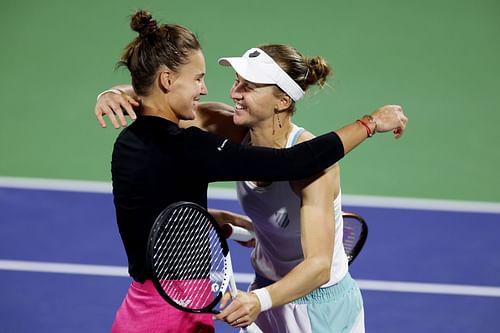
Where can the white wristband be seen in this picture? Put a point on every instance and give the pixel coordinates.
(114, 91)
(264, 298)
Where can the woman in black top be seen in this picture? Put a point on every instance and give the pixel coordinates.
(156, 163)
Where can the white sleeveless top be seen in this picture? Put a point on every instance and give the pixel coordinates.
(275, 212)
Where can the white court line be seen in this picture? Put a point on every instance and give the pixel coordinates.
(53, 267)
(375, 285)
(230, 194)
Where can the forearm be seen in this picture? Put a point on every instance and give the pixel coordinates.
(352, 135)
(217, 118)
(304, 278)
(126, 89)
(384, 119)
(224, 216)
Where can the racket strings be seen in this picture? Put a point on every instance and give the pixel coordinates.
(188, 260)
(354, 235)
(351, 236)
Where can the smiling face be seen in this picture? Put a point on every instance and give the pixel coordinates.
(255, 103)
(186, 85)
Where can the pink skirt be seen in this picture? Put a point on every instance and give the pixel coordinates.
(144, 310)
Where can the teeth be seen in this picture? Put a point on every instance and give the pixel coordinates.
(239, 106)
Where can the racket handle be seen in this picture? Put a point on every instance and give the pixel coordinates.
(237, 233)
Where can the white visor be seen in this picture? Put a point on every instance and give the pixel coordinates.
(258, 67)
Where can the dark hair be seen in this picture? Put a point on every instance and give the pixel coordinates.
(156, 45)
(306, 71)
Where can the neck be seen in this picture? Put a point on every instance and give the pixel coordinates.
(271, 134)
(157, 107)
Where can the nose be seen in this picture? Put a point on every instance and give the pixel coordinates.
(204, 89)
(235, 93)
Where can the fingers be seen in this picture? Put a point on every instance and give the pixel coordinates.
(128, 105)
(236, 319)
(225, 299)
(241, 312)
(250, 243)
(391, 118)
(113, 105)
(100, 118)
(112, 111)
(232, 313)
(398, 132)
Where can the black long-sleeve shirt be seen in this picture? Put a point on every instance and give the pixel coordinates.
(155, 163)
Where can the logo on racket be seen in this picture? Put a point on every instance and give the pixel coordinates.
(183, 302)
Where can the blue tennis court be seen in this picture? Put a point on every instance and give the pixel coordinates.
(62, 265)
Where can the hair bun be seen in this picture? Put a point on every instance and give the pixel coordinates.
(142, 22)
(319, 70)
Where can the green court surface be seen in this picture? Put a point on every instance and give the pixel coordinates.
(439, 59)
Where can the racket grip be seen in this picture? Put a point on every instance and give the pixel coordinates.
(237, 233)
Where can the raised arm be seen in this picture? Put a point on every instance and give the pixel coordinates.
(384, 119)
(215, 117)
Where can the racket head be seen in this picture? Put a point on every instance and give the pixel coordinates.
(186, 255)
(355, 232)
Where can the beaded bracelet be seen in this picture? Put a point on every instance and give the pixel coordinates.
(369, 132)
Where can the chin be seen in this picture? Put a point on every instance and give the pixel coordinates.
(238, 120)
(189, 116)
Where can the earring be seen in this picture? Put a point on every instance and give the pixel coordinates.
(277, 116)
(279, 122)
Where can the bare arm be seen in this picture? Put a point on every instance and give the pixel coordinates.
(317, 230)
(213, 117)
(217, 118)
(224, 216)
(386, 118)
(317, 238)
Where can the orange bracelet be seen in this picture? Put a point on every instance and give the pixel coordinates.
(368, 130)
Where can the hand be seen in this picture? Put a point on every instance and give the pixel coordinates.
(112, 105)
(390, 118)
(242, 311)
(250, 243)
(224, 216)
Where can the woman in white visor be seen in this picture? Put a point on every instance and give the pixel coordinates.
(302, 283)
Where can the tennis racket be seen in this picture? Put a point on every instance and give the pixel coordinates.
(234, 232)
(355, 233)
(190, 261)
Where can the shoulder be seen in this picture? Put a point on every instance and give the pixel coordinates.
(327, 177)
(304, 136)
(217, 118)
